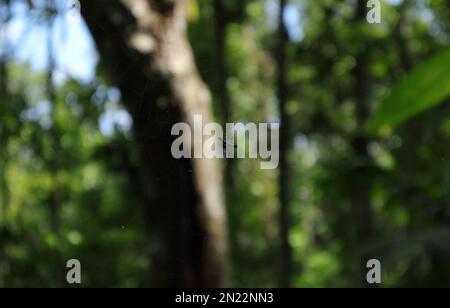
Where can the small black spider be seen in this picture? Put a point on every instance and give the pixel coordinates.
(226, 142)
(75, 5)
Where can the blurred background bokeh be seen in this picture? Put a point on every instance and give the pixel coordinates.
(69, 164)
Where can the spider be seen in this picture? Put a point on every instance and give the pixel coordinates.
(75, 5)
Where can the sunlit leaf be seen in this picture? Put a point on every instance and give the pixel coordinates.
(193, 11)
(425, 87)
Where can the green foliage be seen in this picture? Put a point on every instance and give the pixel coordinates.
(67, 198)
(425, 87)
(67, 190)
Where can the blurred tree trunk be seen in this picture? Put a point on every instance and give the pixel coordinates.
(55, 198)
(402, 32)
(285, 140)
(4, 97)
(221, 20)
(360, 200)
(220, 25)
(145, 49)
(4, 137)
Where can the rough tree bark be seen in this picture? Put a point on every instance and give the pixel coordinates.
(144, 47)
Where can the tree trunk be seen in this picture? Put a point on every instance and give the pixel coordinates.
(4, 189)
(401, 32)
(144, 47)
(360, 201)
(4, 96)
(285, 140)
(221, 20)
(220, 25)
(55, 199)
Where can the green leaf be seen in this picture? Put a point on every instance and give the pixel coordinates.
(425, 87)
(193, 11)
